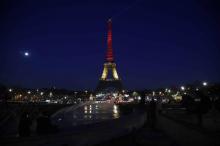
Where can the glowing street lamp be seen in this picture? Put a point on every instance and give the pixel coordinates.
(51, 94)
(182, 88)
(29, 92)
(204, 83)
(10, 90)
(41, 93)
(169, 91)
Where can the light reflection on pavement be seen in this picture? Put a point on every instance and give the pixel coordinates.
(86, 114)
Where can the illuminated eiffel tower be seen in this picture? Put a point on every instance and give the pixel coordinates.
(109, 80)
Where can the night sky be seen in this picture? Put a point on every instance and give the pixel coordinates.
(156, 43)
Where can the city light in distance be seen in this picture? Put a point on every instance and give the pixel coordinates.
(153, 93)
(204, 83)
(51, 94)
(182, 88)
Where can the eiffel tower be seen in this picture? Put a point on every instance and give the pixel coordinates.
(109, 81)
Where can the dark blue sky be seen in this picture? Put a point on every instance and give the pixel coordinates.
(156, 42)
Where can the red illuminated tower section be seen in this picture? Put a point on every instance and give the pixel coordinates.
(109, 55)
(109, 80)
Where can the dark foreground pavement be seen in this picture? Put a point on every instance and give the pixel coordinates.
(168, 132)
(146, 136)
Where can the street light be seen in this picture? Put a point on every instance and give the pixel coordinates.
(204, 83)
(51, 94)
(10, 90)
(182, 88)
(153, 93)
(29, 92)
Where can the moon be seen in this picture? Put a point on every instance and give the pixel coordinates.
(26, 53)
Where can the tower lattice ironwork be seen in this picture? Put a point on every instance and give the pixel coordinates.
(109, 79)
